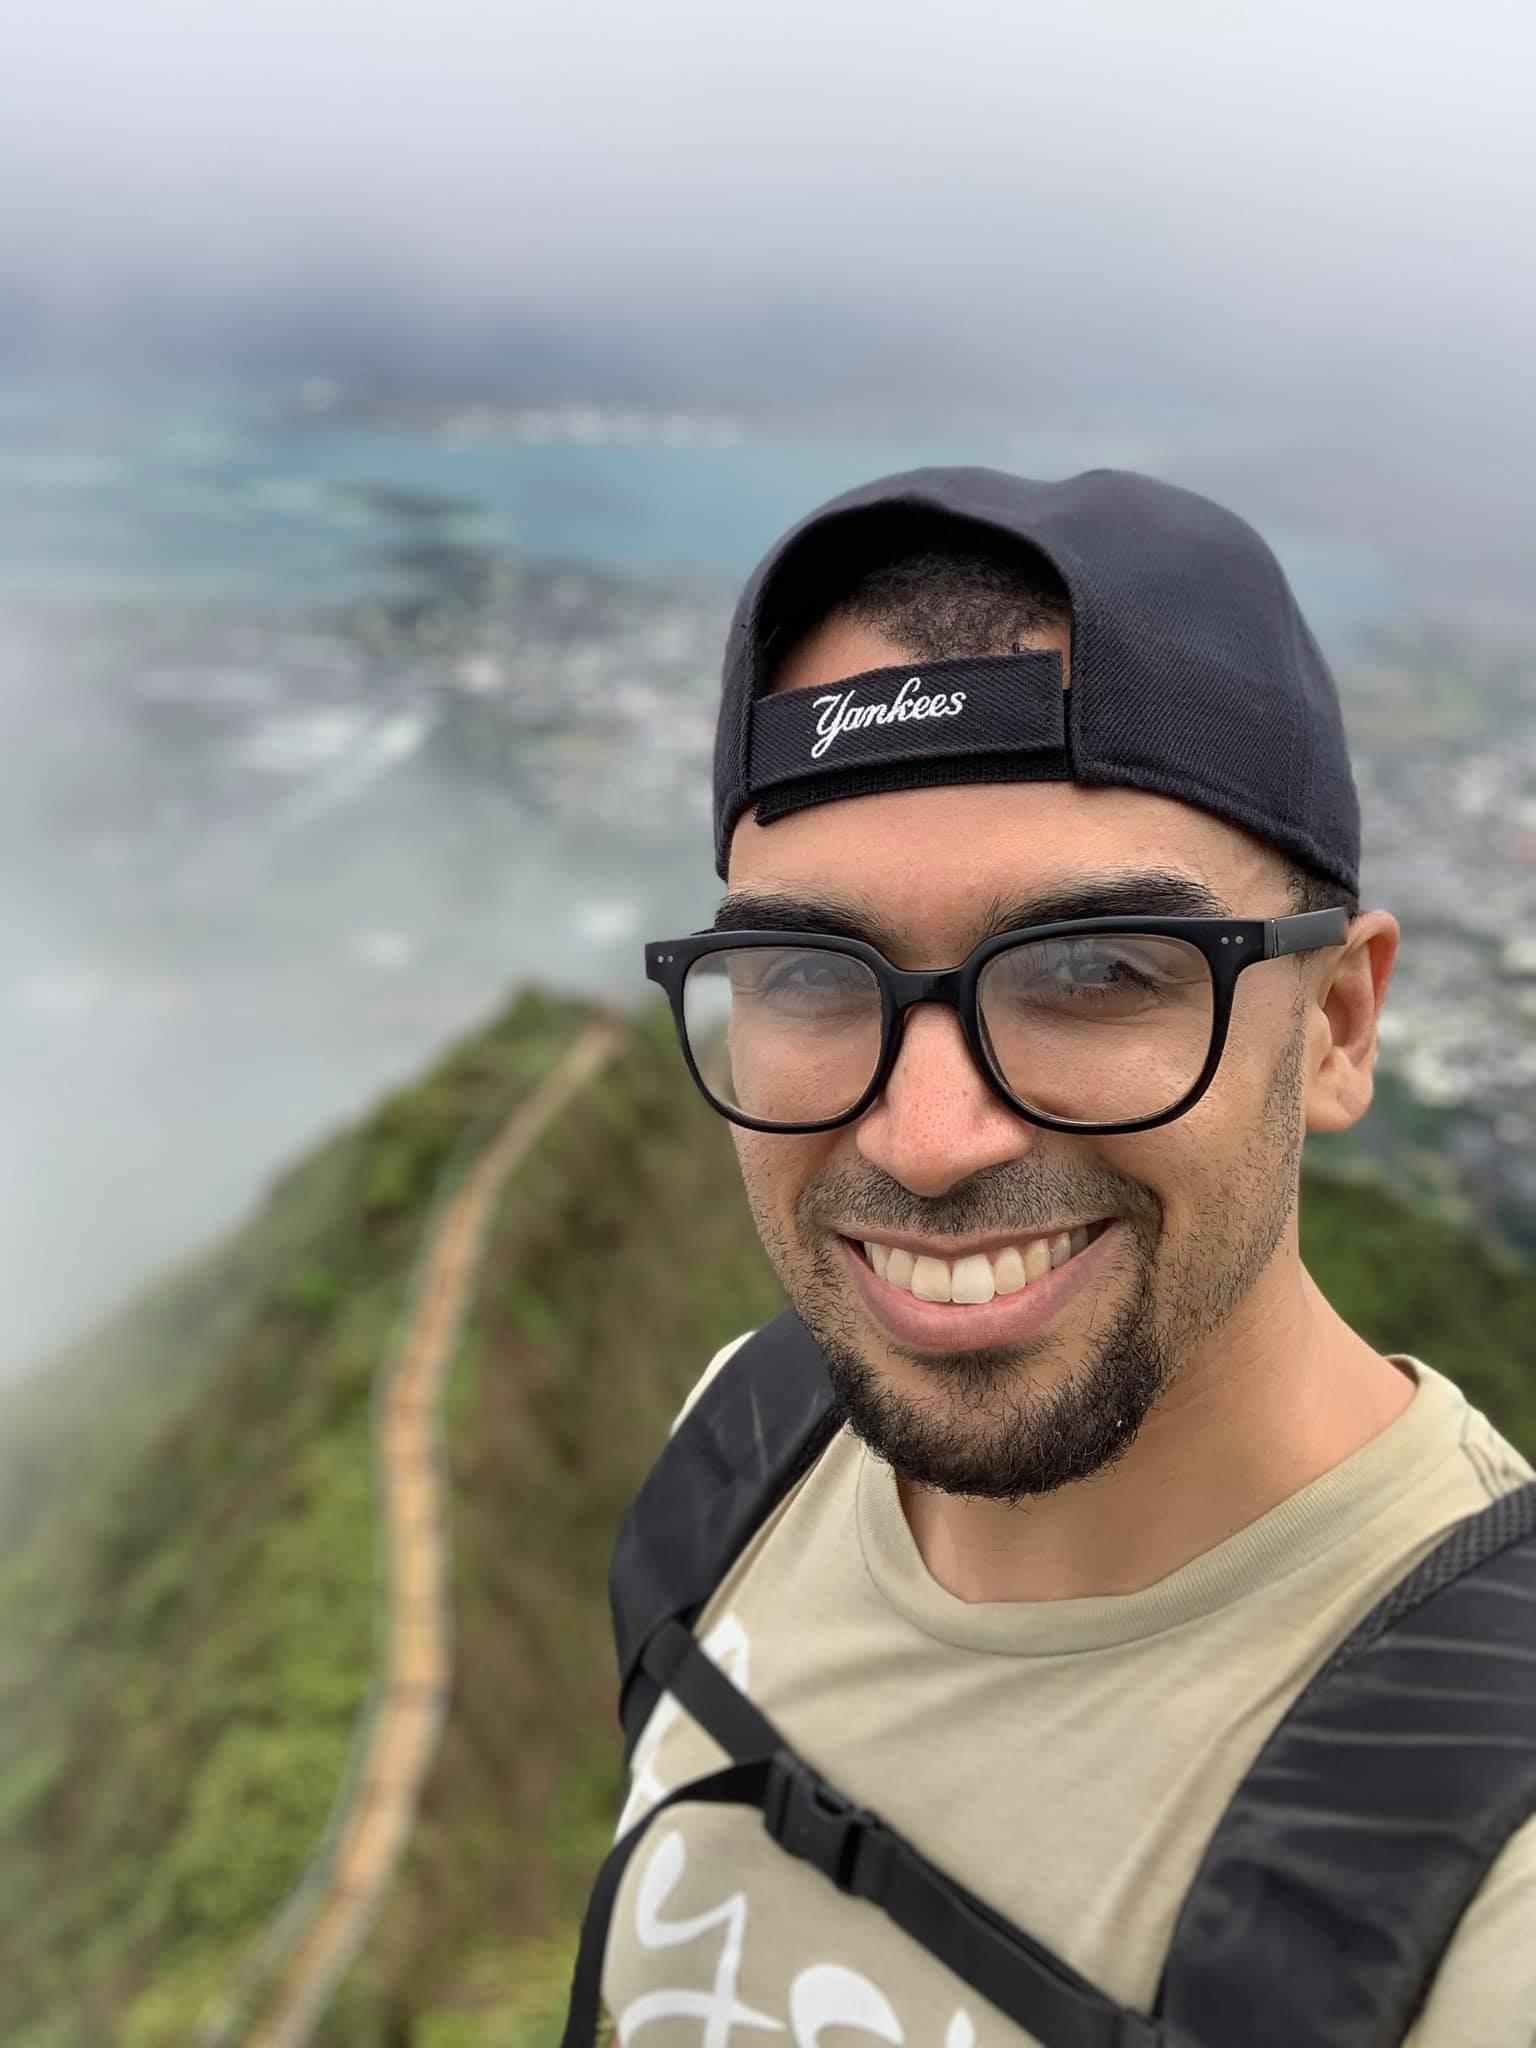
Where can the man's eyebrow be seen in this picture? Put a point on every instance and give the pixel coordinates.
(1151, 892)
(1146, 892)
(742, 911)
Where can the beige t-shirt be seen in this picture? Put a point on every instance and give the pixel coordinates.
(1067, 1760)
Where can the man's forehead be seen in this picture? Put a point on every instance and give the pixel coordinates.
(783, 903)
(941, 866)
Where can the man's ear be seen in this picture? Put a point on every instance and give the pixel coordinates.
(1343, 1004)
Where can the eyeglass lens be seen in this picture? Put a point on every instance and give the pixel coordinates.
(1093, 1028)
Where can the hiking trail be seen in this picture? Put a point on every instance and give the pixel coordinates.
(287, 1983)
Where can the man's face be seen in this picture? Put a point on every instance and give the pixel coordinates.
(1003, 1401)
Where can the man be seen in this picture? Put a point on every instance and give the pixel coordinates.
(1113, 1479)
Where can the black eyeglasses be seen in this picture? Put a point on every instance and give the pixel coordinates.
(1101, 1024)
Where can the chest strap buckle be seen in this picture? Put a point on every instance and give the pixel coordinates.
(813, 1820)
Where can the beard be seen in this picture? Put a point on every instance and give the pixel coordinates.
(989, 1430)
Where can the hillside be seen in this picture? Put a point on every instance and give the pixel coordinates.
(189, 1590)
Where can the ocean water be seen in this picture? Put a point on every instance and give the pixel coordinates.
(280, 494)
(326, 720)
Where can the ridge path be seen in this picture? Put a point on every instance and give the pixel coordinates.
(320, 1931)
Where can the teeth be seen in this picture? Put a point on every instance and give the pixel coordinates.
(899, 1268)
(975, 1278)
(971, 1279)
(931, 1280)
(1008, 1270)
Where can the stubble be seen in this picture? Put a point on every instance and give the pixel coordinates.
(989, 1426)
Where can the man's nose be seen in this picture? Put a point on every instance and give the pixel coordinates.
(936, 1120)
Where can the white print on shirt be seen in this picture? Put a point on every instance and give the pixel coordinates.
(843, 715)
(821, 1995)
(719, 2008)
(827, 1995)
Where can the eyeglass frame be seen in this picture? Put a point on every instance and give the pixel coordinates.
(1229, 945)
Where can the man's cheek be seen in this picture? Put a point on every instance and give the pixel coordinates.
(763, 1177)
(777, 1172)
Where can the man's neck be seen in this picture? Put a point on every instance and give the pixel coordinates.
(1282, 1393)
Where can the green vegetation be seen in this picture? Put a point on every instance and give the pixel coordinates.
(187, 1594)
(623, 1257)
(188, 1591)
(1408, 1284)
(1416, 1148)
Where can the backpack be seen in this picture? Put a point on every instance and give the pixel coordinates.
(1332, 1884)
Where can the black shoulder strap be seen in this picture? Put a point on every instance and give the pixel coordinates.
(762, 1419)
(855, 1850)
(1334, 1882)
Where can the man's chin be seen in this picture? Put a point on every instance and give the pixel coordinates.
(996, 1422)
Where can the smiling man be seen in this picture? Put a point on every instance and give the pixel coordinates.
(1062, 1480)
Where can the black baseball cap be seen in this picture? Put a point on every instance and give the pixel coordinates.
(1193, 672)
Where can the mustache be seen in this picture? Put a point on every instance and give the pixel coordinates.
(1011, 1197)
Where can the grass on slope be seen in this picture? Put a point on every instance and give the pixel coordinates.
(188, 1592)
(623, 1256)
(1409, 1282)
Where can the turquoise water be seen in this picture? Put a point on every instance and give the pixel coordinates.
(150, 489)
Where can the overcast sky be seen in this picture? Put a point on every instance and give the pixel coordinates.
(1302, 216)
(1299, 161)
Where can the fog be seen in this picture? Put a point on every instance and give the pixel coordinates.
(1311, 169)
(1338, 180)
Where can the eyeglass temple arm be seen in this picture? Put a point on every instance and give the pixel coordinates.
(1304, 931)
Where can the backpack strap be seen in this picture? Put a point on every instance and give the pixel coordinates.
(1331, 1887)
(765, 1416)
(1334, 1881)
(759, 1424)
(861, 1855)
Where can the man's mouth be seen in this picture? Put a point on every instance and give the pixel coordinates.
(977, 1276)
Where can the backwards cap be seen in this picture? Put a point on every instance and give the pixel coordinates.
(1193, 672)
